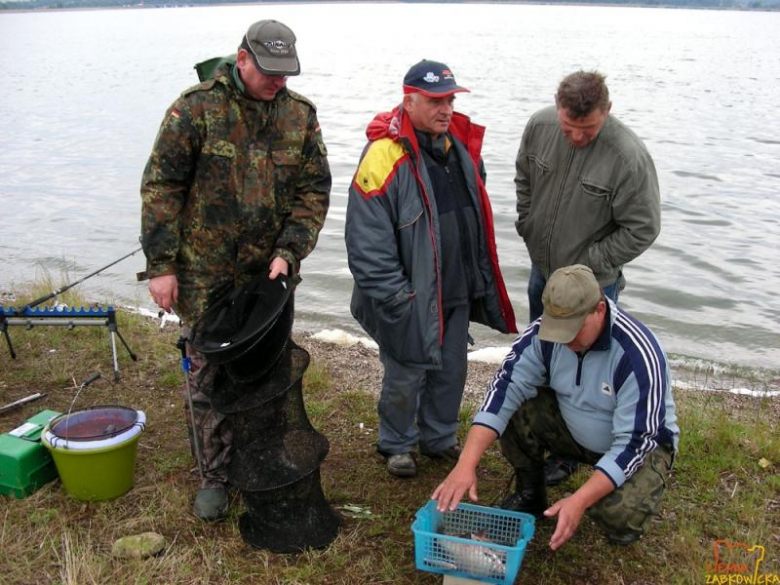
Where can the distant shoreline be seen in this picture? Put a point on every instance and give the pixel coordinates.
(775, 8)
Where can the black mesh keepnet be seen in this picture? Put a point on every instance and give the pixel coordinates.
(240, 319)
(289, 519)
(266, 465)
(276, 451)
(229, 397)
(256, 363)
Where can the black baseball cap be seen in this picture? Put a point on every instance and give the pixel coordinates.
(432, 79)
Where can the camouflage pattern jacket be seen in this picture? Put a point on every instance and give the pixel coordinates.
(231, 184)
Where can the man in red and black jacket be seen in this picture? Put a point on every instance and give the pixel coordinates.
(422, 251)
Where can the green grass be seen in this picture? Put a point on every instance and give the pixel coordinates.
(721, 487)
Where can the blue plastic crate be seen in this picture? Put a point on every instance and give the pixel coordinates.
(451, 543)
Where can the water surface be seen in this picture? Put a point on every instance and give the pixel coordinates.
(83, 94)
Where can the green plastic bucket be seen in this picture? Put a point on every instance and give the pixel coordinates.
(95, 450)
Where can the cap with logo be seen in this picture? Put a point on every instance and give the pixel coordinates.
(570, 295)
(272, 45)
(432, 79)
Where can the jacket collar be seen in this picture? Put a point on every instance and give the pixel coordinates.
(604, 339)
(397, 126)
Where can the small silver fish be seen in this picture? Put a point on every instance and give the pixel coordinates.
(474, 559)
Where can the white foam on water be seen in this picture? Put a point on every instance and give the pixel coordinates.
(680, 385)
(489, 355)
(341, 337)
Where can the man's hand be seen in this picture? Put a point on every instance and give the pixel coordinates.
(569, 511)
(462, 479)
(278, 266)
(164, 291)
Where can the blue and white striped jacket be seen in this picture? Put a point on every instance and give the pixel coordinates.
(616, 398)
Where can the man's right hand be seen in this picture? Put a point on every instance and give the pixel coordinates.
(462, 479)
(164, 291)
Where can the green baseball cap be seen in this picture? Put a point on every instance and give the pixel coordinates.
(272, 45)
(571, 294)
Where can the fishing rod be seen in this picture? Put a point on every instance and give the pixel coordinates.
(54, 293)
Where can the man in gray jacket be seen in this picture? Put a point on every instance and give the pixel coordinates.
(421, 248)
(587, 193)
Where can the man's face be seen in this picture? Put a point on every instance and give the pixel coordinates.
(590, 330)
(581, 131)
(428, 114)
(258, 85)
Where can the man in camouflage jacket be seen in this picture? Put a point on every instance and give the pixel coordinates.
(237, 183)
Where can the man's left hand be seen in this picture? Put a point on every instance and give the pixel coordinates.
(569, 512)
(278, 266)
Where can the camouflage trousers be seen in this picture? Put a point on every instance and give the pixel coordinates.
(538, 426)
(211, 429)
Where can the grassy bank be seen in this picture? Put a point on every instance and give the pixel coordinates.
(726, 483)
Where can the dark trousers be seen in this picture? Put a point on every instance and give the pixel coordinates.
(431, 397)
(212, 429)
(538, 426)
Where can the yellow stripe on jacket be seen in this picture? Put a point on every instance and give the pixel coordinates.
(378, 167)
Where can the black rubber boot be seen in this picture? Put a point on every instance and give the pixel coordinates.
(530, 493)
(558, 468)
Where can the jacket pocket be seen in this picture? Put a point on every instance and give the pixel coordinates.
(409, 211)
(398, 329)
(285, 173)
(538, 163)
(219, 148)
(211, 203)
(538, 168)
(393, 324)
(594, 189)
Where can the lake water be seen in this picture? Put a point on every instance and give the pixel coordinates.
(83, 94)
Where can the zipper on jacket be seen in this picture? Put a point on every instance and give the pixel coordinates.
(580, 358)
(556, 207)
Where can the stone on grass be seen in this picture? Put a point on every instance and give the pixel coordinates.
(139, 546)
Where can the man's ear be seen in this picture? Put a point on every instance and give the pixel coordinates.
(243, 59)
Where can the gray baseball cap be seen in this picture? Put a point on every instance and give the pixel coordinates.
(571, 294)
(272, 45)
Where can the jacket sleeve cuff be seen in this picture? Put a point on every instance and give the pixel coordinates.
(611, 469)
(286, 255)
(491, 421)
(153, 271)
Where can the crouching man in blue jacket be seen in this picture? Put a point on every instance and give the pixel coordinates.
(589, 381)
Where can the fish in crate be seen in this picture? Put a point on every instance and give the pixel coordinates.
(472, 541)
